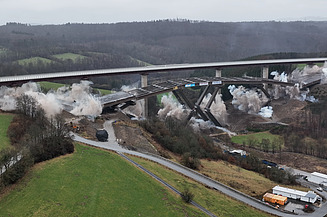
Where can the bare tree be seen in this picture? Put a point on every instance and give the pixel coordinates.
(27, 105)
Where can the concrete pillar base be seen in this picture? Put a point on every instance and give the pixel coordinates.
(218, 73)
(145, 107)
(265, 75)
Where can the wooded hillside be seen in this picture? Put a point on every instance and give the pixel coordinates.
(26, 49)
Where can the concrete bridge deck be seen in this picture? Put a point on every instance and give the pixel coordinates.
(174, 84)
(18, 79)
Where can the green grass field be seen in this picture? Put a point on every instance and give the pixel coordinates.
(91, 182)
(103, 91)
(33, 60)
(244, 139)
(5, 120)
(69, 56)
(50, 85)
(215, 202)
(45, 85)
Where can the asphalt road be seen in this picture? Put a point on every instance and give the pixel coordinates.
(319, 212)
(113, 145)
(187, 172)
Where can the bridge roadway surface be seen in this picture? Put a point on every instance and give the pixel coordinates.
(151, 69)
(173, 84)
(114, 146)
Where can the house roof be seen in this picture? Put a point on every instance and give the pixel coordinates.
(311, 194)
(290, 191)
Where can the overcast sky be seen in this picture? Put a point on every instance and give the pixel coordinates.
(112, 11)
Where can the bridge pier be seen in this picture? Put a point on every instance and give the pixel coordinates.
(145, 106)
(180, 96)
(207, 108)
(265, 74)
(182, 99)
(195, 108)
(198, 103)
(218, 73)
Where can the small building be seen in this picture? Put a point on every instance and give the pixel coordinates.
(309, 196)
(273, 198)
(317, 178)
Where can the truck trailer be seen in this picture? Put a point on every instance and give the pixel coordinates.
(273, 198)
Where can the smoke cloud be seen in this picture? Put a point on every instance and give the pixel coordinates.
(172, 108)
(218, 108)
(137, 109)
(199, 124)
(78, 96)
(293, 92)
(266, 112)
(297, 74)
(247, 100)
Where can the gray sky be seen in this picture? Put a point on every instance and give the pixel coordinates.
(111, 11)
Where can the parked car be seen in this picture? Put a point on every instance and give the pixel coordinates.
(319, 189)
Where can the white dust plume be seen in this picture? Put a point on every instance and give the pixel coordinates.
(266, 112)
(292, 92)
(172, 108)
(8, 95)
(247, 100)
(218, 108)
(137, 109)
(297, 74)
(200, 124)
(78, 97)
(280, 77)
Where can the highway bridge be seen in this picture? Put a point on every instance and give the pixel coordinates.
(7, 80)
(124, 99)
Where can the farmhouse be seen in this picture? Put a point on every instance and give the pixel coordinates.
(309, 196)
(317, 178)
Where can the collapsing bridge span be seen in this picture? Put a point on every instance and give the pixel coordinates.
(124, 99)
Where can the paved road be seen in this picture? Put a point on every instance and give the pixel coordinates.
(322, 211)
(113, 145)
(187, 172)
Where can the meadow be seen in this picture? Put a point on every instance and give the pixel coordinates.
(33, 61)
(5, 120)
(257, 139)
(91, 182)
(69, 56)
(46, 86)
(214, 201)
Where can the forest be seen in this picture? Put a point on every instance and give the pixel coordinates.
(155, 42)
